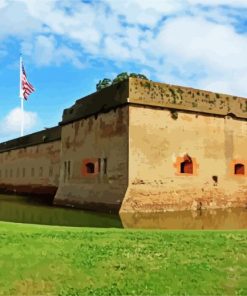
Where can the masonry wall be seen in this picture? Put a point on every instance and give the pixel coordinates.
(32, 169)
(158, 142)
(125, 146)
(101, 140)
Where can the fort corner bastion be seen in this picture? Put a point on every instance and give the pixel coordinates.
(137, 146)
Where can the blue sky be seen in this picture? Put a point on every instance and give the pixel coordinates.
(68, 45)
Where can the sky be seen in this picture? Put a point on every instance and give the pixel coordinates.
(69, 45)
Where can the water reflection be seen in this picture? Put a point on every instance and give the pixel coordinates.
(19, 209)
(234, 218)
(23, 210)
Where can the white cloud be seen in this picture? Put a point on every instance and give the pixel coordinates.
(15, 20)
(176, 41)
(11, 124)
(44, 50)
(195, 39)
(79, 25)
(3, 3)
(206, 51)
(232, 3)
(115, 49)
(146, 13)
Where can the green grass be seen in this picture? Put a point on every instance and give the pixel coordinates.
(49, 260)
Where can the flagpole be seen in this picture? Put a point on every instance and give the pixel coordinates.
(22, 98)
(22, 117)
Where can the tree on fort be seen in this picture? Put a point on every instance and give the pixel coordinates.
(120, 77)
(103, 83)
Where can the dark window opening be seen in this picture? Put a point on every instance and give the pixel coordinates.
(215, 179)
(23, 172)
(41, 171)
(90, 168)
(186, 167)
(69, 169)
(239, 169)
(32, 172)
(65, 171)
(105, 166)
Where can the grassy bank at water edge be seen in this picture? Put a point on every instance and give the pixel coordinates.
(48, 260)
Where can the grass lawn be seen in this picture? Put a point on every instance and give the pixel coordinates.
(48, 260)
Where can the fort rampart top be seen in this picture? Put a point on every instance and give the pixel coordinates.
(44, 136)
(145, 92)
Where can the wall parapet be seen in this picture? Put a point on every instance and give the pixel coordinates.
(44, 136)
(185, 98)
(98, 102)
(149, 93)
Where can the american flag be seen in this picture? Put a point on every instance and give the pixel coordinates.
(26, 87)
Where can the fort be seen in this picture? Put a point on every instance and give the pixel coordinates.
(137, 146)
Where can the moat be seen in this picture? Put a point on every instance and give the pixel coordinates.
(20, 209)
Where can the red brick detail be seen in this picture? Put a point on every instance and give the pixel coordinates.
(237, 167)
(90, 167)
(186, 166)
